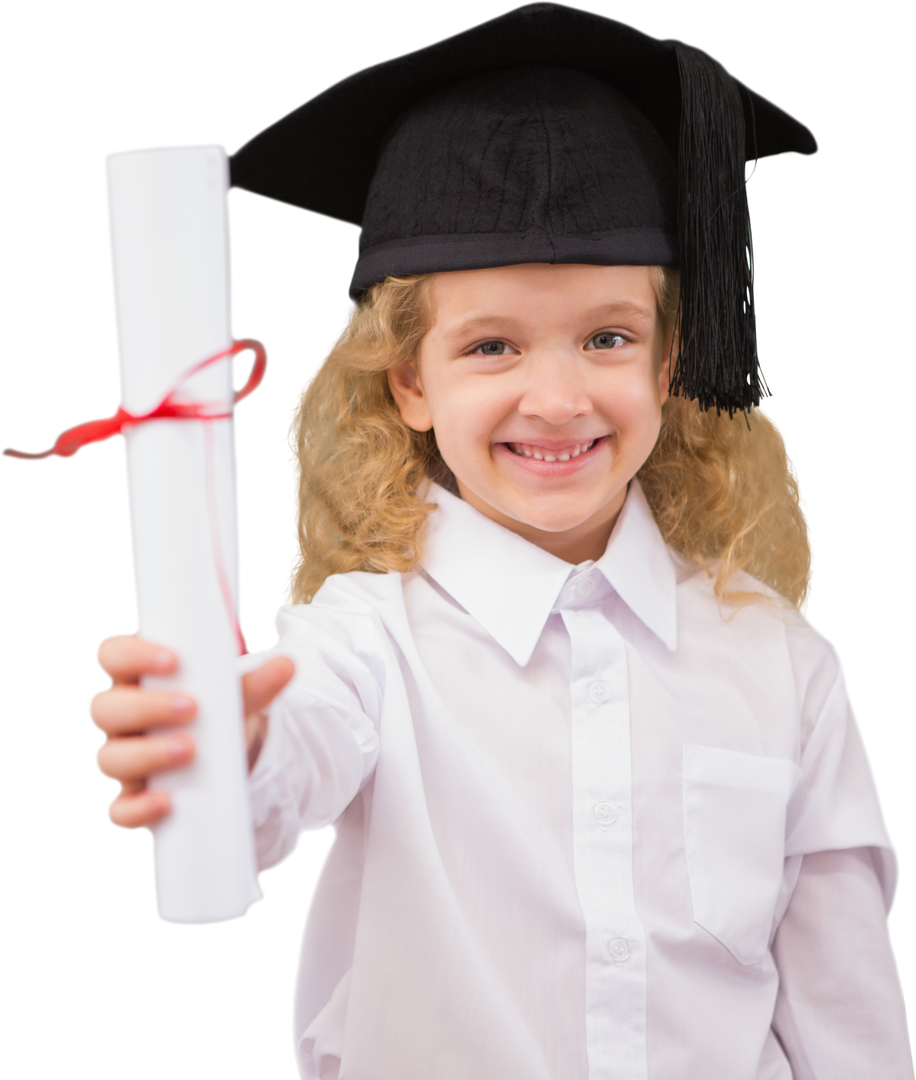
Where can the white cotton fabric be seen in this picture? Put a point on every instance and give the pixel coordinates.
(591, 824)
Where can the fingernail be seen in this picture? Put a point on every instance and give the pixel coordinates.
(162, 659)
(178, 748)
(182, 704)
(158, 804)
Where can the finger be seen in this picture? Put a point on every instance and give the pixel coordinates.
(255, 734)
(260, 687)
(127, 658)
(133, 809)
(133, 759)
(128, 710)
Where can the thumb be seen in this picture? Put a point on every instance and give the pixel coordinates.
(261, 686)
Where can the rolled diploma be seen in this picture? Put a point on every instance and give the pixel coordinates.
(171, 259)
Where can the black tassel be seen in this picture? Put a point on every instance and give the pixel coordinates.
(718, 362)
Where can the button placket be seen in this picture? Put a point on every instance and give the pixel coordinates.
(603, 841)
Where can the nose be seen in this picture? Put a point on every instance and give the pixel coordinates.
(555, 390)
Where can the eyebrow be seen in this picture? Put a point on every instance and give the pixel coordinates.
(604, 313)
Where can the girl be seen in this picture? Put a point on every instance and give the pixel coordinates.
(601, 807)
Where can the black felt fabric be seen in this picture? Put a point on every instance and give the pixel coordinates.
(528, 165)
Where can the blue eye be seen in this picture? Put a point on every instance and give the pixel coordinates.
(489, 342)
(605, 336)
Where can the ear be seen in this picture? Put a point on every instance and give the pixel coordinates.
(409, 397)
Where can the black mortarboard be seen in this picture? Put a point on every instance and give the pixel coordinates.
(547, 135)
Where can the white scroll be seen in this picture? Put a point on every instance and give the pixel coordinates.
(171, 260)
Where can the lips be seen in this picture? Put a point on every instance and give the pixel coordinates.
(540, 467)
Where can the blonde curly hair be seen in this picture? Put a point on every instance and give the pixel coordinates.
(721, 488)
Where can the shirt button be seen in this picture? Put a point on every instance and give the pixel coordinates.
(618, 950)
(599, 692)
(585, 587)
(606, 813)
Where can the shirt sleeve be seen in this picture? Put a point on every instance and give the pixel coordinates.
(839, 1011)
(322, 736)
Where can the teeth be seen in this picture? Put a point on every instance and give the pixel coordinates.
(579, 448)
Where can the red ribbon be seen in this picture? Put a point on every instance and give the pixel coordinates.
(99, 430)
(169, 409)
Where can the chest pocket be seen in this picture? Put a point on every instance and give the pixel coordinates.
(734, 832)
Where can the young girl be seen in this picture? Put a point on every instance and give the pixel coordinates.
(601, 806)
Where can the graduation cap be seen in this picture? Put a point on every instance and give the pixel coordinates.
(547, 135)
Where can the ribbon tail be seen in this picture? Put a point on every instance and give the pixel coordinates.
(68, 442)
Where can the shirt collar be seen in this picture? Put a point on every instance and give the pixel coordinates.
(510, 586)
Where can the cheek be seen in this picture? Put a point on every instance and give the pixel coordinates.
(466, 414)
(635, 408)
(455, 427)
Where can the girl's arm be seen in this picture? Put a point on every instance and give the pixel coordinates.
(322, 743)
(839, 1012)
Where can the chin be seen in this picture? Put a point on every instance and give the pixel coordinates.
(553, 521)
(559, 527)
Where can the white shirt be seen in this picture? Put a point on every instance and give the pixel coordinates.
(591, 824)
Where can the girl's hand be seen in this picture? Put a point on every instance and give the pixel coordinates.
(133, 718)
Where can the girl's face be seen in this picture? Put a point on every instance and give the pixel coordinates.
(544, 386)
